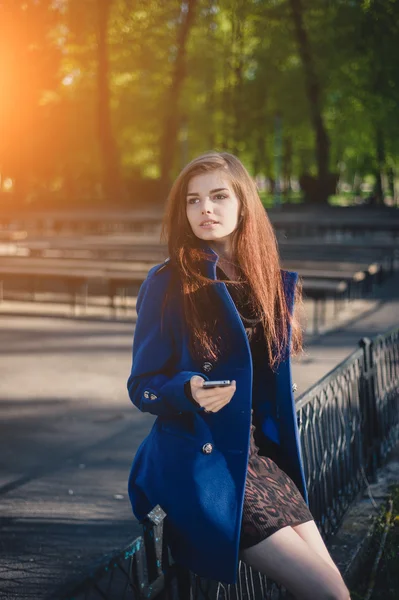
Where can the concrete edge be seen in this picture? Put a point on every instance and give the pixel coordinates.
(350, 544)
(352, 571)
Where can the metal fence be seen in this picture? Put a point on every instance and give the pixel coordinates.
(348, 423)
(146, 570)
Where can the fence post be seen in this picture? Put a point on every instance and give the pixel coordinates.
(156, 553)
(160, 571)
(368, 408)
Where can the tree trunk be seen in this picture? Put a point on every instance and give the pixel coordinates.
(378, 196)
(391, 183)
(259, 155)
(211, 100)
(172, 117)
(287, 167)
(238, 22)
(313, 93)
(112, 184)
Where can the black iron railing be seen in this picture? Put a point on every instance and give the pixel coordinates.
(348, 423)
(145, 569)
(329, 417)
(384, 353)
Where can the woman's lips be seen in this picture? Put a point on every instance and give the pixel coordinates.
(209, 225)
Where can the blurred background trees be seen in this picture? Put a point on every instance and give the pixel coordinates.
(103, 101)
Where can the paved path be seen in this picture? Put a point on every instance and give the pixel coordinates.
(323, 353)
(68, 434)
(67, 437)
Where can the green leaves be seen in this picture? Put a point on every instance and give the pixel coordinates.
(172, 93)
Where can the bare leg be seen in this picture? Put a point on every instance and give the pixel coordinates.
(310, 534)
(287, 558)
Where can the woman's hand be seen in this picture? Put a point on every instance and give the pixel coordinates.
(212, 400)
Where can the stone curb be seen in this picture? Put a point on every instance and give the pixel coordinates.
(349, 546)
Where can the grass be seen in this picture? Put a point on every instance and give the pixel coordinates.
(343, 199)
(387, 579)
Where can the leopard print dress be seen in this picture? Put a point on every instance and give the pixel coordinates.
(271, 500)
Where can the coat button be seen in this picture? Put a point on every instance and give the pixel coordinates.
(153, 397)
(207, 448)
(207, 366)
(294, 387)
(146, 394)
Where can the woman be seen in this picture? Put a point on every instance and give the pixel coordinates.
(224, 463)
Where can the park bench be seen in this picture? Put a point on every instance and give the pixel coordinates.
(147, 248)
(336, 224)
(97, 250)
(73, 263)
(318, 249)
(76, 281)
(156, 253)
(329, 221)
(82, 221)
(361, 279)
(320, 291)
(118, 277)
(330, 270)
(323, 280)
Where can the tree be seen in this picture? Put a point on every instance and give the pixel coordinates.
(101, 94)
(172, 113)
(323, 189)
(112, 183)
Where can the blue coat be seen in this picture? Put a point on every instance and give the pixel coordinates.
(192, 463)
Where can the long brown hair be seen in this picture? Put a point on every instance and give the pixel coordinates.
(255, 255)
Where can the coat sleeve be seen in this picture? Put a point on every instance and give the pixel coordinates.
(154, 385)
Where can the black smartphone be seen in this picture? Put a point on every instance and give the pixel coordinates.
(212, 384)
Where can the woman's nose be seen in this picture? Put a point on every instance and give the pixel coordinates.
(206, 207)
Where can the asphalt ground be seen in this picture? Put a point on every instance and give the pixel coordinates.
(68, 434)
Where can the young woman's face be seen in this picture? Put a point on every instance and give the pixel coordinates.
(212, 208)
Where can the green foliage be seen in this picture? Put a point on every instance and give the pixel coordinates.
(243, 68)
(385, 584)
